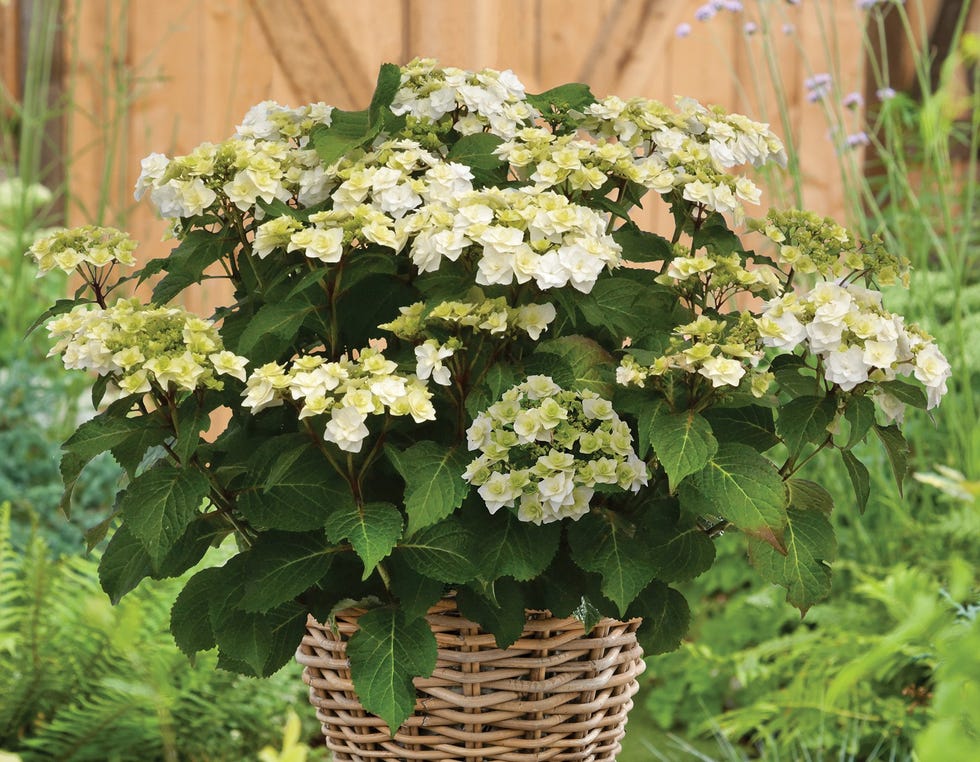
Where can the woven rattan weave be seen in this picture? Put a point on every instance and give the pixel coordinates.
(556, 694)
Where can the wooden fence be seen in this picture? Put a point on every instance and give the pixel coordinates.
(164, 76)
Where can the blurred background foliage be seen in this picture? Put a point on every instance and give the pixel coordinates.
(887, 668)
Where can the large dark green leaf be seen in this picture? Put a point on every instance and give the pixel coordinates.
(503, 616)
(386, 653)
(281, 320)
(509, 547)
(291, 486)
(803, 569)
(640, 246)
(666, 618)
(744, 487)
(443, 551)
(752, 425)
(160, 503)
(611, 548)
(372, 530)
(281, 565)
(683, 443)
(591, 365)
(897, 450)
(186, 264)
(434, 485)
(805, 419)
(860, 479)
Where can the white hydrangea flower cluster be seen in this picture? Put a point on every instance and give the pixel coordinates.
(521, 235)
(269, 120)
(494, 316)
(484, 101)
(140, 346)
(856, 339)
(269, 159)
(689, 150)
(374, 201)
(97, 246)
(815, 245)
(349, 389)
(548, 450)
(720, 351)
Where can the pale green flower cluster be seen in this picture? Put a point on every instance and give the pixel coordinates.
(547, 451)
(493, 316)
(856, 339)
(140, 347)
(97, 246)
(349, 389)
(268, 160)
(471, 101)
(721, 351)
(714, 278)
(815, 245)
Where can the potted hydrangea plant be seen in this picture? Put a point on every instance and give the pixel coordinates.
(462, 393)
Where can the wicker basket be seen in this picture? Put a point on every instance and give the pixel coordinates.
(556, 694)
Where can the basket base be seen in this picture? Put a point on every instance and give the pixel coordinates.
(558, 694)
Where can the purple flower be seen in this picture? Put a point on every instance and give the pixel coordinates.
(852, 100)
(735, 6)
(705, 12)
(885, 94)
(858, 139)
(817, 87)
(788, 29)
(750, 28)
(683, 30)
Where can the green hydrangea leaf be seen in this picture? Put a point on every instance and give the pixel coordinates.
(641, 246)
(372, 529)
(281, 565)
(752, 425)
(445, 551)
(611, 547)
(190, 618)
(860, 415)
(415, 592)
(279, 320)
(679, 552)
(386, 653)
(744, 487)
(905, 392)
(291, 486)
(666, 618)
(264, 642)
(897, 450)
(476, 152)
(810, 496)
(509, 547)
(573, 95)
(860, 479)
(618, 303)
(591, 365)
(805, 419)
(434, 485)
(683, 443)
(185, 265)
(160, 503)
(503, 616)
(124, 564)
(803, 570)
